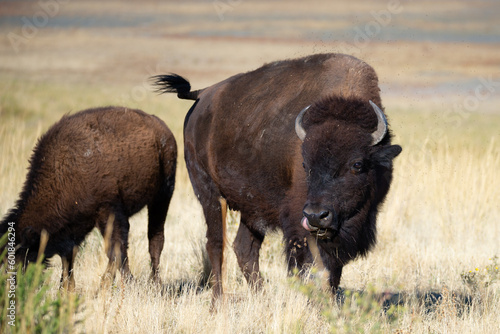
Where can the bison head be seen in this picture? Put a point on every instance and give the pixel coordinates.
(347, 158)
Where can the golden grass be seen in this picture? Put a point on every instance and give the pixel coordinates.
(440, 220)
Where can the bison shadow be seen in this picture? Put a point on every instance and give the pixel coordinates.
(428, 301)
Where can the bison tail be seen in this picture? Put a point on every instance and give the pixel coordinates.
(173, 83)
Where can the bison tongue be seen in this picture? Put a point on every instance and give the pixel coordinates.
(305, 224)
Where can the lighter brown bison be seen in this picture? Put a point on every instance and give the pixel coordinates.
(88, 167)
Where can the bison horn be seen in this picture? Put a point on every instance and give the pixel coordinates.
(379, 134)
(299, 129)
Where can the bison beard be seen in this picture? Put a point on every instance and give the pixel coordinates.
(300, 145)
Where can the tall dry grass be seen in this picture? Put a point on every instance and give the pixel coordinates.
(439, 224)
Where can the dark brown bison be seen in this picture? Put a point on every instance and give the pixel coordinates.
(96, 165)
(299, 145)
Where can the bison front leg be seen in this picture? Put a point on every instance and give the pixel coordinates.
(334, 266)
(335, 274)
(298, 254)
(247, 247)
(116, 245)
(296, 240)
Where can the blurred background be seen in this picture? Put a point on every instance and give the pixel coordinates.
(420, 49)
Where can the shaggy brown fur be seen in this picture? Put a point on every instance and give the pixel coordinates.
(240, 144)
(90, 167)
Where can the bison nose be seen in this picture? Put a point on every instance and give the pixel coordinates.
(318, 217)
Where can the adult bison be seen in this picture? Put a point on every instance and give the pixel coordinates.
(299, 145)
(96, 165)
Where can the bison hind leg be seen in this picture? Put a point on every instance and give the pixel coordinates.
(157, 213)
(247, 246)
(210, 199)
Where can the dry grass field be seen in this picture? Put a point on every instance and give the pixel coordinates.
(435, 266)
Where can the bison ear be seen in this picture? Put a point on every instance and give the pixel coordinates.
(384, 155)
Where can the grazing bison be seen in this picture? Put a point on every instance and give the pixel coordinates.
(299, 145)
(96, 165)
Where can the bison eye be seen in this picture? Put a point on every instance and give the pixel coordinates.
(357, 167)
